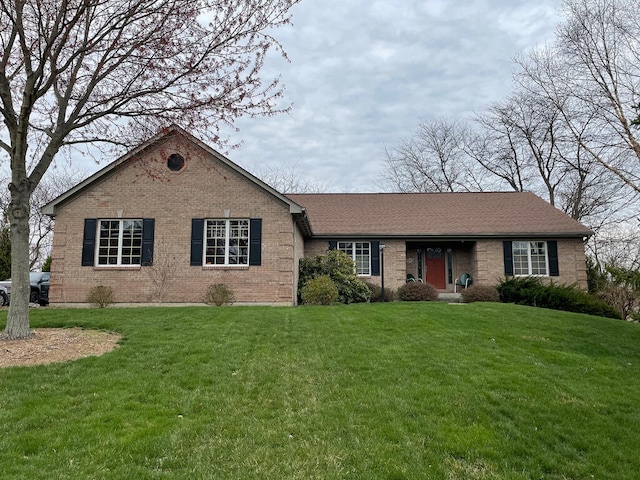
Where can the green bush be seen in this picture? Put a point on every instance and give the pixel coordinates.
(218, 294)
(597, 277)
(531, 291)
(46, 266)
(320, 290)
(417, 292)
(101, 296)
(376, 293)
(341, 269)
(480, 293)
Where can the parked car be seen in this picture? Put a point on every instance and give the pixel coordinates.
(4, 297)
(39, 287)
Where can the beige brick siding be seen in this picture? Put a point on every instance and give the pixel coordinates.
(206, 188)
(483, 259)
(571, 262)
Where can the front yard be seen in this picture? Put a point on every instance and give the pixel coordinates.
(403, 390)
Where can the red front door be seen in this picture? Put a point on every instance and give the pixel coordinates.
(435, 268)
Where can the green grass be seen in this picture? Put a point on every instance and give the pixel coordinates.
(478, 391)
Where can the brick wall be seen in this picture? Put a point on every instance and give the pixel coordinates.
(205, 188)
(483, 259)
(571, 262)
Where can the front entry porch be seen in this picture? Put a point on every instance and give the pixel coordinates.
(440, 263)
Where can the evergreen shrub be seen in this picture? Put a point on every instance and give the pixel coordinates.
(320, 290)
(531, 291)
(341, 269)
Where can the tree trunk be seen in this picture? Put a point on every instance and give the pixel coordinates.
(18, 318)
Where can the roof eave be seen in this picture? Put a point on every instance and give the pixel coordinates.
(454, 236)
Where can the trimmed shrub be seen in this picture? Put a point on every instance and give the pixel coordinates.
(531, 291)
(101, 296)
(320, 290)
(218, 294)
(341, 269)
(417, 292)
(351, 289)
(376, 293)
(480, 293)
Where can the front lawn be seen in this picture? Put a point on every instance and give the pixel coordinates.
(402, 390)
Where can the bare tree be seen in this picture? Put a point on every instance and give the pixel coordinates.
(591, 74)
(79, 71)
(289, 178)
(524, 141)
(162, 269)
(432, 160)
(503, 140)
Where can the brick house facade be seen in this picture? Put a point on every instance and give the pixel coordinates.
(176, 204)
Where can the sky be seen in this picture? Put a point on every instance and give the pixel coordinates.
(364, 73)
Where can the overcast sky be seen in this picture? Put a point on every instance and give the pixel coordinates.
(363, 73)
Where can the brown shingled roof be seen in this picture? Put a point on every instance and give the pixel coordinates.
(436, 214)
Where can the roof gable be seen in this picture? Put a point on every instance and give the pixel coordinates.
(51, 207)
(455, 215)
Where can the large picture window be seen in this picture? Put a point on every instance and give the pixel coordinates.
(226, 242)
(360, 253)
(119, 242)
(530, 258)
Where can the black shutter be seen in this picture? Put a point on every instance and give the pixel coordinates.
(508, 258)
(552, 251)
(89, 242)
(375, 259)
(148, 228)
(197, 240)
(255, 241)
(333, 245)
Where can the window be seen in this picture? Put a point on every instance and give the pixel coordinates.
(226, 242)
(119, 242)
(530, 258)
(175, 162)
(360, 253)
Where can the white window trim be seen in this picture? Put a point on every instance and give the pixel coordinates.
(227, 230)
(119, 263)
(353, 255)
(529, 263)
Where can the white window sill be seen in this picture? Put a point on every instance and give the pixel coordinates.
(117, 267)
(225, 267)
